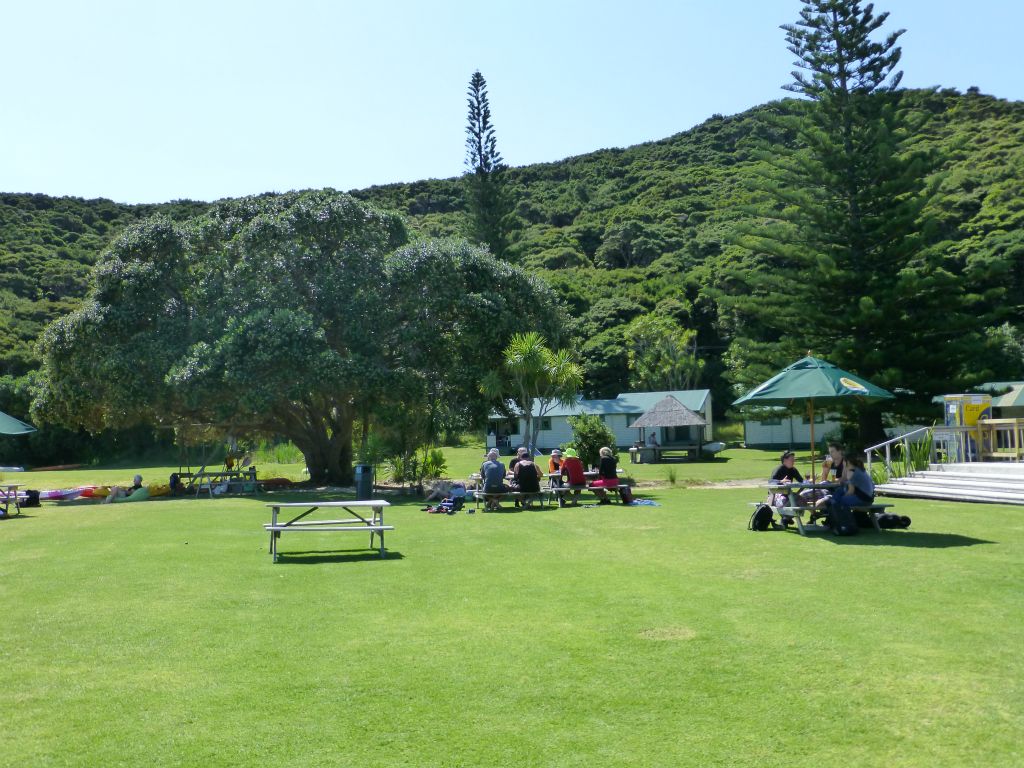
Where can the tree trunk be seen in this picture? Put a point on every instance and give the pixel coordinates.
(870, 430)
(328, 454)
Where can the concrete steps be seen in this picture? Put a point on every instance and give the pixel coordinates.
(982, 482)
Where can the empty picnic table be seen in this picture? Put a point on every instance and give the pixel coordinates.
(372, 523)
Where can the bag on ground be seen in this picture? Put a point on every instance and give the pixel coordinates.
(842, 521)
(761, 520)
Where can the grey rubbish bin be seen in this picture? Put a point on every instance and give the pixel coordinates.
(364, 482)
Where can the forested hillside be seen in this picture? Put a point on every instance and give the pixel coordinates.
(636, 242)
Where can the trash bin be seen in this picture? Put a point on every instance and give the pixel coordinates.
(364, 482)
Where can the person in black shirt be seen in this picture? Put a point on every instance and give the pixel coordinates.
(784, 474)
(787, 472)
(607, 475)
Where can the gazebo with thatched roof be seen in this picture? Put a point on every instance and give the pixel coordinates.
(679, 428)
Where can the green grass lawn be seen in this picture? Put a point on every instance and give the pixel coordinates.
(161, 634)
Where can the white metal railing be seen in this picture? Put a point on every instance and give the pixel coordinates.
(957, 444)
(886, 457)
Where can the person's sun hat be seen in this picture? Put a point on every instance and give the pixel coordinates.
(556, 452)
(785, 455)
(570, 453)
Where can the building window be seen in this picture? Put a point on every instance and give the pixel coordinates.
(776, 422)
(819, 418)
(542, 425)
(630, 418)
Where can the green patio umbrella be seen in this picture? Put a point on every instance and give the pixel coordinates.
(808, 380)
(11, 426)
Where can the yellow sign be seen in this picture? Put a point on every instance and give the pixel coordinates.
(856, 386)
(973, 412)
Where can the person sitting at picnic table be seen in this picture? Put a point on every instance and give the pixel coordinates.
(832, 469)
(526, 477)
(555, 467)
(521, 452)
(858, 488)
(784, 474)
(607, 476)
(120, 492)
(492, 473)
(573, 472)
(833, 465)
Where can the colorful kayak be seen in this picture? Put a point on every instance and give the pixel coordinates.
(61, 495)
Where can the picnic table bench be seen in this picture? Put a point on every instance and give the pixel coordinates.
(372, 524)
(796, 514)
(554, 495)
(9, 496)
(493, 500)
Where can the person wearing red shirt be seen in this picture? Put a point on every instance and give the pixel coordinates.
(572, 473)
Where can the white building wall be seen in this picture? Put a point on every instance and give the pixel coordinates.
(791, 431)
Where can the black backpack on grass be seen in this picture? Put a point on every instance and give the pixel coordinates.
(842, 521)
(761, 520)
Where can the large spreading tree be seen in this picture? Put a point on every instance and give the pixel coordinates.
(288, 315)
(487, 197)
(842, 260)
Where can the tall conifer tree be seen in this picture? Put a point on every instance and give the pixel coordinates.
(486, 195)
(839, 261)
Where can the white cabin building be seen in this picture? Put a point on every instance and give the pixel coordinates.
(619, 413)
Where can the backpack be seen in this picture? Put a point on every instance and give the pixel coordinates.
(761, 520)
(626, 494)
(841, 521)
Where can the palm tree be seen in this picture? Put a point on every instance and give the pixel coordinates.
(531, 371)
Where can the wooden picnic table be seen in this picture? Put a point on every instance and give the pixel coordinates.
(372, 523)
(206, 481)
(795, 510)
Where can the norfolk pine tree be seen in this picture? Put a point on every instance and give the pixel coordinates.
(486, 195)
(840, 261)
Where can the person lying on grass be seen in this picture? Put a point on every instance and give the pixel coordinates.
(120, 492)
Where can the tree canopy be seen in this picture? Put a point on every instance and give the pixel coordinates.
(276, 314)
(577, 228)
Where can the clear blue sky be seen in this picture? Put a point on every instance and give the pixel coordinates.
(148, 102)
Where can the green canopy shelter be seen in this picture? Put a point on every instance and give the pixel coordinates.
(12, 426)
(808, 380)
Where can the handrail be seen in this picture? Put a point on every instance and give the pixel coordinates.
(887, 445)
(897, 439)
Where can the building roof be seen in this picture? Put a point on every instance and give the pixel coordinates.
(669, 412)
(1013, 398)
(627, 402)
(1011, 393)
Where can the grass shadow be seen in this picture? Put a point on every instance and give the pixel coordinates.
(318, 557)
(915, 539)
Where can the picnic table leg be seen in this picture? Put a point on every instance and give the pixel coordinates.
(273, 534)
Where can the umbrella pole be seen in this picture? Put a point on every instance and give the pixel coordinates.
(810, 409)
